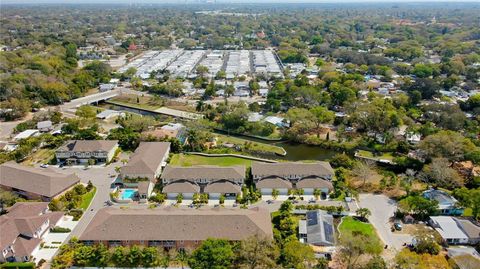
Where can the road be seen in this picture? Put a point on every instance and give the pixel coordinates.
(382, 209)
(101, 179)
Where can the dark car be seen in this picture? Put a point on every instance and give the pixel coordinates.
(397, 226)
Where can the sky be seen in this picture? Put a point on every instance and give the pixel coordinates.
(219, 1)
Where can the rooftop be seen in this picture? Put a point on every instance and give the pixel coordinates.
(178, 224)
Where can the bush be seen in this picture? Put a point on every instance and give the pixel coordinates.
(60, 230)
(76, 214)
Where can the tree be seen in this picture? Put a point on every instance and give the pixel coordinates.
(363, 212)
(469, 198)
(150, 256)
(321, 115)
(212, 254)
(354, 245)
(363, 171)
(441, 174)
(127, 138)
(407, 259)
(297, 255)
(425, 244)
(376, 262)
(419, 206)
(275, 194)
(256, 253)
(446, 144)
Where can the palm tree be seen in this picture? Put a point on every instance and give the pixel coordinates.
(363, 212)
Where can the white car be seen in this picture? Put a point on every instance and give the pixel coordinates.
(44, 165)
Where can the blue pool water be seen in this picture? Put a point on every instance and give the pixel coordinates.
(127, 194)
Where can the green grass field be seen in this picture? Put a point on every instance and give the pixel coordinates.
(256, 146)
(369, 154)
(19, 265)
(349, 225)
(87, 198)
(190, 160)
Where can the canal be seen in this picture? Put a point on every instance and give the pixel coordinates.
(295, 151)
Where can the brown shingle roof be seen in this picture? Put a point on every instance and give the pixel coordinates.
(315, 183)
(274, 183)
(147, 158)
(41, 181)
(285, 169)
(143, 187)
(24, 218)
(88, 145)
(178, 224)
(181, 187)
(213, 173)
(470, 229)
(222, 187)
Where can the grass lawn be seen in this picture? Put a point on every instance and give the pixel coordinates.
(12, 265)
(190, 160)
(87, 198)
(369, 154)
(40, 156)
(350, 225)
(256, 146)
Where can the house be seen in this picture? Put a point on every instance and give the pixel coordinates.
(446, 203)
(106, 87)
(413, 138)
(23, 228)
(171, 130)
(108, 114)
(254, 117)
(277, 121)
(146, 162)
(35, 183)
(174, 227)
(464, 257)
(284, 176)
(45, 126)
(81, 151)
(317, 229)
(213, 180)
(456, 230)
(263, 92)
(26, 134)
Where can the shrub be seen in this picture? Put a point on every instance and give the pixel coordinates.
(60, 230)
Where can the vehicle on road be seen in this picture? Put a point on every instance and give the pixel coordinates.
(397, 226)
(44, 165)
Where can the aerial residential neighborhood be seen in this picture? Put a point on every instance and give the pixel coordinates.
(239, 134)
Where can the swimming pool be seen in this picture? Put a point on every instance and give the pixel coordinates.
(127, 194)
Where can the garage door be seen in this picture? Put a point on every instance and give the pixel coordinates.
(172, 195)
(188, 196)
(266, 191)
(214, 196)
(283, 191)
(308, 191)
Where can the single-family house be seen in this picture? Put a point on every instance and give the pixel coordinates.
(106, 87)
(26, 134)
(213, 180)
(35, 183)
(170, 130)
(81, 151)
(23, 229)
(284, 176)
(446, 203)
(146, 163)
(277, 121)
(317, 229)
(455, 230)
(45, 126)
(174, 227)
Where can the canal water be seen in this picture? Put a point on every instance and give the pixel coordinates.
(295, 151)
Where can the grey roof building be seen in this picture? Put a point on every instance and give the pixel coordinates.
(317, 229)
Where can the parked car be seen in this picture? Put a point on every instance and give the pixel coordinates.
(397, 226)
(44, 165)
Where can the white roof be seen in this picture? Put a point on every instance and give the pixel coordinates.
(254, 117)
(25, 134)
(106, 113)
(448, 227)
(274, 120)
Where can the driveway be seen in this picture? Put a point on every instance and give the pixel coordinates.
(101, 178)
(382, 209)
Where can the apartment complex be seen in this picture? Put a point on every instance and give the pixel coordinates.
(174, 227)
(214, 180)
(81, 151)
(35, 183)
(285, 176)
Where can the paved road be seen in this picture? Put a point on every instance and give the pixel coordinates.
(100, 177)
(382, 209)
